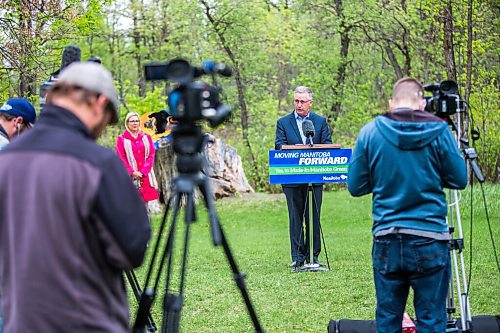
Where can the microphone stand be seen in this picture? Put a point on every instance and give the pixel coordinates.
(310, 137)
(312, 208)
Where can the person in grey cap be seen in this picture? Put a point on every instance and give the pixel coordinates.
(16, 115)
(71, 219)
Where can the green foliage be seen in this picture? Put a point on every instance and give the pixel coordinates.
(276, 45)
(486, 115)
(32, 38)
(154, 101)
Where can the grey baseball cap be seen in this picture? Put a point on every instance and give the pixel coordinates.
(93, 77)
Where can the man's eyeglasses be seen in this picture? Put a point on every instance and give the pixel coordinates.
(299, 101)
(134, 121)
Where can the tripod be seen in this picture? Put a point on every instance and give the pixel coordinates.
(457, 244)
(189, 163)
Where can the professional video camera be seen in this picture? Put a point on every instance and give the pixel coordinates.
(192, 100)
(445, 100)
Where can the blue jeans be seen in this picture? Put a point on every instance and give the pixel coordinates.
(402, 261)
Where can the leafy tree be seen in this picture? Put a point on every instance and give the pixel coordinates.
(31, 36)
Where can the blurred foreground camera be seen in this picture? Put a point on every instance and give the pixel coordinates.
(445, 100)
(192, 100)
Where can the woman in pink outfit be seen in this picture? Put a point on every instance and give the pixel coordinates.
(137, 152)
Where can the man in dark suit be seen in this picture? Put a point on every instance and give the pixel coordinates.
(289, 132)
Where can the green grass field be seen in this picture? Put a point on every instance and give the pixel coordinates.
(257, 231)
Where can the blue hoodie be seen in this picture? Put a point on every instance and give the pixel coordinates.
(406, 158)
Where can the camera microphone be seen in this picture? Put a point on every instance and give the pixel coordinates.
(308, 130)
(70, 55)
(432, 87)
(446, 87)
(210, 67)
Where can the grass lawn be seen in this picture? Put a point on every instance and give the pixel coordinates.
(257, 231)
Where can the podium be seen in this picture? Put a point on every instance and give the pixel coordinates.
(309, 164)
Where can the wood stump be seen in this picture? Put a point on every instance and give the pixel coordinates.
(225, 170)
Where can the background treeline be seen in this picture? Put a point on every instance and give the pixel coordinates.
(349, 52)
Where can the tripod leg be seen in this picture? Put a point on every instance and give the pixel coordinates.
(132, 280)
(148, 295)
(239, 278)
(134, 284)
(172, 304)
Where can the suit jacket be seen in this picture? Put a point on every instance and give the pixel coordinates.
(287, 131)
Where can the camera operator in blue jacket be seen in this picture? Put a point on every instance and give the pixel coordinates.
(405, 158)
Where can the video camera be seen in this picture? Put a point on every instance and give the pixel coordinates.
(445, 100)
(192, 100)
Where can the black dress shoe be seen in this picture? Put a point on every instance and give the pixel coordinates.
(317, 262)
(296, 263)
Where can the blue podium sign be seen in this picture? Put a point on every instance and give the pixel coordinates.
(302, 166)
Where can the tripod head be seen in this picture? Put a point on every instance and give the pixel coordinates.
(469, 152)
(188, 144)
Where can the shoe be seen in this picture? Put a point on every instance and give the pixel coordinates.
(317, 262)
(296, 264)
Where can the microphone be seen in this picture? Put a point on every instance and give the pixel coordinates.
(431, 87)
(70, 55)
(308, 130)
(210, 67)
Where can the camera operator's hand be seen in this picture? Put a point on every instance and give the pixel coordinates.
(137, 175)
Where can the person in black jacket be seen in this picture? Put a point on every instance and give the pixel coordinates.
(289, 132)
(71, 219)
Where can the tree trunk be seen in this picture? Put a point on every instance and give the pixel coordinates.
(225, 171)
(26, 76)
(406, 42)
(338, 90)
(283, 83)
(137, 43)
(469, 51)
(165, 171)
(241, 94)
(394, 62)
(449, 56)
